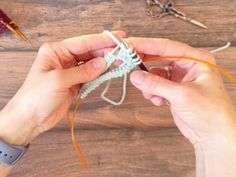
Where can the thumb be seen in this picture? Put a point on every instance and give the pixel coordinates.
(83, 73)
(154, 84)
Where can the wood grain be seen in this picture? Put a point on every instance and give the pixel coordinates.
(120, 153)
(155, 148)
(96, 113)
(44, 20)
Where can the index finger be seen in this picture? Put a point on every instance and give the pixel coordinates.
(159, 46)
(83, 44)
(166, 47)
(67, 52)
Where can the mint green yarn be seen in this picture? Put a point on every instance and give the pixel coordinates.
(129, 60)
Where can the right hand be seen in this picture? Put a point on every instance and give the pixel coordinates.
(199, 102)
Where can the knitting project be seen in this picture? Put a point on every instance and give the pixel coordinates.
(130, 60)
(122, 52)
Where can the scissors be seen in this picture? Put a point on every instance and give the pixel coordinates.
(167, 8)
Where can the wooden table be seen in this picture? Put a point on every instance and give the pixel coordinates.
(135, 139)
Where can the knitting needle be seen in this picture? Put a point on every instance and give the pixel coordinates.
(111, 36)
(16, 31)
(21, 35)
(141, 65)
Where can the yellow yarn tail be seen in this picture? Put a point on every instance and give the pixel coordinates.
(223, 71)
(71, 124)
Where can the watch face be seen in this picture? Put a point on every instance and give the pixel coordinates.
(9, 154)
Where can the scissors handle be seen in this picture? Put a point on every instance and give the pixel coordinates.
(167, 8)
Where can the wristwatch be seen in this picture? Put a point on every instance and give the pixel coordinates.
(9, 154)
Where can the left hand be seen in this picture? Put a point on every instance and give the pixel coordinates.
(53, 81)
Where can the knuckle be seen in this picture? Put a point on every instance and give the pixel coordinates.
(205, 55)
(51, 50)
(166, 45)
(207, 70)
(208, 55)
(83, 70)
(46, 46)
(45, 50)
(204, 51)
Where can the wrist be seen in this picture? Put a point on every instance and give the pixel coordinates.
(16, 124)
(217, 156)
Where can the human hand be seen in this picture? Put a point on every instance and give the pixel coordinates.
(53, 81)
(199, 103)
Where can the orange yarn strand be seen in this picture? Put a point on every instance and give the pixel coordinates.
(223, 71)
(71, 124)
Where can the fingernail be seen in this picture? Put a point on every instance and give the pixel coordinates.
(98, 63)
(138, 77)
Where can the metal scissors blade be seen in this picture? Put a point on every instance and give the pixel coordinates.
(182, 16)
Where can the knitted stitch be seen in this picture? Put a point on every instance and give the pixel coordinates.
(129, 59)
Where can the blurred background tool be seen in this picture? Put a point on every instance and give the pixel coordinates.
(7, 24)
(167, 8)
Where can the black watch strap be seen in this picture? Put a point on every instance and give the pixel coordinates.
(9, 154)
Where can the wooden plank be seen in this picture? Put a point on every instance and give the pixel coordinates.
(121, 153)
(53, 20)
(94, 112)
(111, 152)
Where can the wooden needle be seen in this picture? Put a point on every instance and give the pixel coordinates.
(17, 32)
(14, 30)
